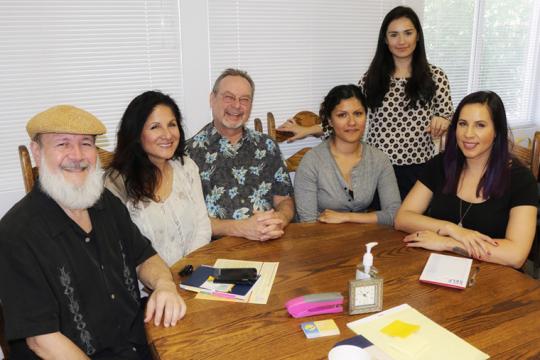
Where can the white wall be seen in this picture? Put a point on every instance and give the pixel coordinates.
(195, 63)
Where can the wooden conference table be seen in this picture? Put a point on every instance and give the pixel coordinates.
(500, 315)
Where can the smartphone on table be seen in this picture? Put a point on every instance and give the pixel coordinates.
(239, 276)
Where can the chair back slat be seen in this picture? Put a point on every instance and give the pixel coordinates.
(258, 125)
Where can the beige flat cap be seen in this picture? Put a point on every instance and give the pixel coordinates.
(65, 119)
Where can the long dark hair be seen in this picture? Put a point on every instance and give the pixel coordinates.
(420, 86)
(141, 176)
(495, 179)
(333, 98)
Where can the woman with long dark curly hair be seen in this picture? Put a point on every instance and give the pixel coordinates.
(158, 184)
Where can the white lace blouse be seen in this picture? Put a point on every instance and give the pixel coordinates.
(179, 224)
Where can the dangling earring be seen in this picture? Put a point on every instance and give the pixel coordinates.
(326, 127)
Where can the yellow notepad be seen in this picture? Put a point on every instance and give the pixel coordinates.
(406, 334)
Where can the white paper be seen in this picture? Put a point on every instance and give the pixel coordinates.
(261, 290)
(447, 270)
(430, 341)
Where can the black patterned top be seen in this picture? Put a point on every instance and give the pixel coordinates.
(399, 132)
(238, 179)
(57, 277)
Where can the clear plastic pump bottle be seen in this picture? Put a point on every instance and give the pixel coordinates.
(366, 270)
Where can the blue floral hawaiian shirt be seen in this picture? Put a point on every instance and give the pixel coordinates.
(238, 179)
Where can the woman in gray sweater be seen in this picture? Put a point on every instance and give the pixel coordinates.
(336, 181)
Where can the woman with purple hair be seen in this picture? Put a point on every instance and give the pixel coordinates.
(475, 199)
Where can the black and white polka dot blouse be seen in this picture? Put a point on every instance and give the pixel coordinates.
(400, 133)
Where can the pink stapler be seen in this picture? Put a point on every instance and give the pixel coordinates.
(315, 304)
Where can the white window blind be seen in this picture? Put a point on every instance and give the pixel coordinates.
(448, 30)
(96, 55)
(488, 45)
(296, 51)
(509, 35)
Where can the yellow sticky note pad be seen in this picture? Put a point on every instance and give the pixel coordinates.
(315, 329)
(398, 328)
(327, 325)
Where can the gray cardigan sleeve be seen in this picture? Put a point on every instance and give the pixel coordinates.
(305, 188)
(388, 190)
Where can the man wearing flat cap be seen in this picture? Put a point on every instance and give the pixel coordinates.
(70, 255)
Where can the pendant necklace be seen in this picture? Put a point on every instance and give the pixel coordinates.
(461, 217)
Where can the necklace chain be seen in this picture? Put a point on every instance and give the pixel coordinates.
(461, 217)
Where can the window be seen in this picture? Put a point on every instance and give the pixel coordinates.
(296, 55)
(487, 45)
(96, 55)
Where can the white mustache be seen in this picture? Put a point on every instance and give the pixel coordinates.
(79, 165)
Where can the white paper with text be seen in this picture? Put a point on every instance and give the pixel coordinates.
(445, 270)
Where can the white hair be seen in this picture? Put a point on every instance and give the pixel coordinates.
(65, 193)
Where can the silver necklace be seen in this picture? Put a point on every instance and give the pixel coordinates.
(460, 223)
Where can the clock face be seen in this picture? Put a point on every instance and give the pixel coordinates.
(364, 295)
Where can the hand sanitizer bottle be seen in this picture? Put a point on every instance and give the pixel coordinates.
(366, 270)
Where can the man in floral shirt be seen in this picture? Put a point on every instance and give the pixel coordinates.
(246, 186)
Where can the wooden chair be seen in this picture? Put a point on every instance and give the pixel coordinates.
(30, 173)
(303, 118)
(258, 125)
(529, 156)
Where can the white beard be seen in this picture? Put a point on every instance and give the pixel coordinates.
(66, 194)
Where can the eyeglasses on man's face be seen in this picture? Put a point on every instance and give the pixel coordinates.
(229, 98)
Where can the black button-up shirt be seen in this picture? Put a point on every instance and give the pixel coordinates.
(56, 277)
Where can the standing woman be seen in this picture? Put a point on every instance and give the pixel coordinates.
(158, 184)
(336, 180)
(408, 99)
(474, 199)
